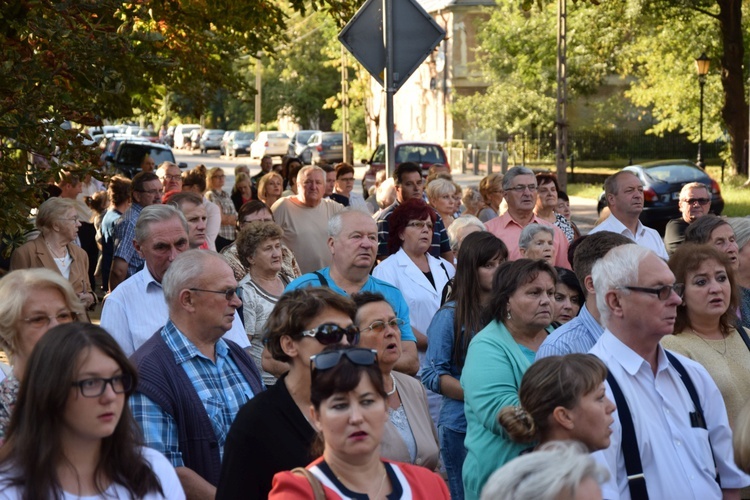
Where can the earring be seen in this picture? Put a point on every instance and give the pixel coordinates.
(508, 316)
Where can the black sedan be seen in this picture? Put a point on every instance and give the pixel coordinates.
(662, 182)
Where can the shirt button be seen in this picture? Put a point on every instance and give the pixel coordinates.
(419, 461)
(678, 442)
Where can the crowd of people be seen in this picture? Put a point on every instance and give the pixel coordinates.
(294, 339)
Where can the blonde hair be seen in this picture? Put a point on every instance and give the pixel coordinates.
(51, 210)
(741, 439)
(263, 181)
(15, 290)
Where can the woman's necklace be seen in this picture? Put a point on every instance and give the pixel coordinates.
(54, 255)
(724, 337)
(377, 493)
(392, 391)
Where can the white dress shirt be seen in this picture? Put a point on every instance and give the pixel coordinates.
(136, 309)
(644, 236)
(676, 457)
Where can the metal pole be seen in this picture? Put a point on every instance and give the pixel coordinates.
(389, 86)
(561, 126)
(701, 83)
(345, 105)
(258, 68)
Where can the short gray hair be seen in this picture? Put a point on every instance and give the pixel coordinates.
(554, 471)
(336, 222)
(693, 185)
(51, 210)
(513, 173)
(741, 227)
(439, 187)
(309, 168)
(156, 213)
(528, 233)
(186, 271)
(460, 223)
(617, 269)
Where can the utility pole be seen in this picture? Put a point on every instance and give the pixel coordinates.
(561, 124)
(345, 105)
(258, 69)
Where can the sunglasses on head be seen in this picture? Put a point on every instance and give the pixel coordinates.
(357, 355)
(330, 333)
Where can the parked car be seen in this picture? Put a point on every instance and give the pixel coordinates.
(271, 143)
(298, 142)
(130, 151)
(424, 154)
(98, 133)
(182, 132)
(324, 148)
(224, 140)
(239, 143)
(149, 135)
(211, 139)
(662, 182)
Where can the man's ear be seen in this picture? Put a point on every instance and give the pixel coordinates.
(138, 249)
(330, 244)
(589, 282)
(186, 300)
(614, 303)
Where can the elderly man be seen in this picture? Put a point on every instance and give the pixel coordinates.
(695, 202)
(624, 192)
(192, 207)
(170, 176)
(581, 333)
(671, 436)
(352, 242)
(409, 184)
(192, 382)
(304, 219)
(136, 309)
(520, 187)
(146, 190)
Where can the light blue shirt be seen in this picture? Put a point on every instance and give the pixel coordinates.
(576, 336)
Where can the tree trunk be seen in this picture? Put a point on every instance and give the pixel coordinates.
(734, 112)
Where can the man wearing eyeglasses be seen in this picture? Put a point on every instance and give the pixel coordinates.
(170, 176)
(520, 187)
(146, 191)
(695, 202)
(671, 435)
(192, 380)
(624, 192)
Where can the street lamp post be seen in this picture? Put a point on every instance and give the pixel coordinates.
(701, 65)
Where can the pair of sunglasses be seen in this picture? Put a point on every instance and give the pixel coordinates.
(330, 333)
(357, 355)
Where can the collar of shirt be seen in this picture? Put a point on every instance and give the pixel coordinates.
(184, 350)
(148, 283)
(506, 219)
(630, 361)
(620, 228)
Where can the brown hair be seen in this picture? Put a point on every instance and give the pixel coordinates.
(592, 248)
(509, 277)
(195, 177)
(119, 189)
(252, 236)
(547, 384)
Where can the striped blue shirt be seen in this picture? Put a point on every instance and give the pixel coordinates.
(220, 386)
(576, 336)
(124, 236)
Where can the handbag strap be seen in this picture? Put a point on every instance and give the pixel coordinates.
(317, 488)
(743, 333)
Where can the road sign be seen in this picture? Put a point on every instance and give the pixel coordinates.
(415, 35)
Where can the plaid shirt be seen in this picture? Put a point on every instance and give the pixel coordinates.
(124, 236)
(226, 205)
(220, 386)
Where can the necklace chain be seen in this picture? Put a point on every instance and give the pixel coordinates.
(54, 255)
(724, 337)
(380, 488)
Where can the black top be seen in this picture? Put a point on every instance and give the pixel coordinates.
(674, 234)
(269, 435)
(397, 492)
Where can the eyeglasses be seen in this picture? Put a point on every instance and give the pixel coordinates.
(663, 292)
(420, 224)
(152, 192)
(330, 333)
(699, 201)
(43, 321)
(95, 387)
(228, 294)
(358, 356)
(172, 177)
(379, 326)
(74, 218)
(521, 188)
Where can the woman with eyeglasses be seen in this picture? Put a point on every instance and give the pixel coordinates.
(343, 190)
(410, 435)
(450, 332)
(349, 412)
(705, 329)
(215, 194)
(31, 302)
(72, 434)
(54, 248)
(272, 432)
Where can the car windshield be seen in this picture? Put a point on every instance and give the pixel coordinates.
(133, 153)
(675, 173)
(329, 139)
(303, 137)
(419, 153)
(277, 135)
(244, 136)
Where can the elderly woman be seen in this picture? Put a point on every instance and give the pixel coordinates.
(537, 241)
(705, 326)
(472, 201)
(343, 189)
(520, 309)
(270, 187)
(272, 432)
(410, 435)
(242, 191)
(546, 204)
(31, 302)
(349, 403)
(491, 189)
(259, 250)
(57, 220)
(461, 228)
(440, 193)
(215, 194)
(741, 228)
(251, 212)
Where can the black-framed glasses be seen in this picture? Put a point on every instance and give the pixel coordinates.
(663, 292)
(357, 355)
(379, 326)
(43, 321)
(228, 294)
(331, 333)
(699, 201)
(95, 387)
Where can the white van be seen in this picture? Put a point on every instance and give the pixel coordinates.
(181, 133)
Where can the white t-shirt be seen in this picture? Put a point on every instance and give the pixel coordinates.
(164, 471)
